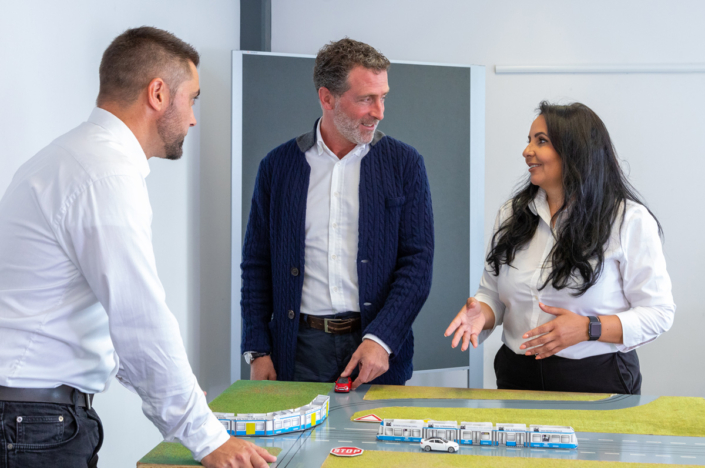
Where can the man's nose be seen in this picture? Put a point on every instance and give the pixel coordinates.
(378, 110)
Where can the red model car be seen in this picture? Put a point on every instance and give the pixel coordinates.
(343, 384)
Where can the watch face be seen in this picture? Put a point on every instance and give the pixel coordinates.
(595, 330)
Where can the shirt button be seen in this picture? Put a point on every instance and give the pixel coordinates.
(335, 225)
(291, 314)
(295, 271)
(335, 289)
(333, 256)
(336, 194)
(9, 446)
(61, 419)
(19, 419)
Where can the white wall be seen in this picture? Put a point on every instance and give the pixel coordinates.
(656, 121)
(50, 52)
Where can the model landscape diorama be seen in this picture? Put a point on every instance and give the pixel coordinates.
(476, 433)
(278, 422)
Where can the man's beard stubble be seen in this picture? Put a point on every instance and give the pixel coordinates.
(350, 128)
(169, 131)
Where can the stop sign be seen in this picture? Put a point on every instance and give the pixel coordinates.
(346, 451)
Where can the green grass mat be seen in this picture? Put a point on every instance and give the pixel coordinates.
(371, 459)
(388, 392)
(251, 396)
(674, 416)
(175, 454)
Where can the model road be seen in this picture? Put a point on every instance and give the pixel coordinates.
(310, 448)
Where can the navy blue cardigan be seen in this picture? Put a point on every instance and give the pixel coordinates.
(395, 251)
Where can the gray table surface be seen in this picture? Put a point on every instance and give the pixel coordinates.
(311, 447)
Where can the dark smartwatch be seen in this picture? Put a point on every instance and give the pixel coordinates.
(594, 329)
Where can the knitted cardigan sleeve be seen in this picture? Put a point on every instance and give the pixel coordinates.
(414, 266)
(256, 298)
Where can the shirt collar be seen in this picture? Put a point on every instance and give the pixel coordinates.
(123, 135)
(321, 146)
(539, 206)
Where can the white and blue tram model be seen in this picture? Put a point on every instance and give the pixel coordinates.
(552, 437)
(278, 422)
(478, 433)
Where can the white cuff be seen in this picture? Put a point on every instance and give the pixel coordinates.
(378, 341)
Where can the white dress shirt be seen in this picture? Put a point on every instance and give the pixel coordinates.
(80, 299)
(634, 284)
(332, 222)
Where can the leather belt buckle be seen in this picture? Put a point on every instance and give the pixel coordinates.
(325, 325)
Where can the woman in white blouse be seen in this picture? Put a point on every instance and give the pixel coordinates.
(575, 270)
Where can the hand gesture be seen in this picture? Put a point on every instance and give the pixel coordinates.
(373, 360)
(238, 453)
(467, 324)
(567, 329)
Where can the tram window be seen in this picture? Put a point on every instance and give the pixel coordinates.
(277, 425)
(511, 436)
(259, 426)
(565, 439)
(389, 431)
(416, 433)
(485, 436)
(536, 438)
(546, 438)
(555, 439)
(467, 435)
(240, 426)
(397, 432)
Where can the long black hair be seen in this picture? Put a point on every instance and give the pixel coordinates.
(594, 190)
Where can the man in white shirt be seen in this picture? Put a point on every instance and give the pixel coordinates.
(80, 298)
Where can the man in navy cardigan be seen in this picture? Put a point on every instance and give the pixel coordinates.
(338, 252)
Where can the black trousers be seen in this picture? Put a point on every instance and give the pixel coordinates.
(48, 435)
(321, 356)
(606, 373)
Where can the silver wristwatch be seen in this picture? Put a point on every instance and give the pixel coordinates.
(252, 355)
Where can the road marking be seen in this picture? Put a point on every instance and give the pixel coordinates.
(659, 455)
(652, 442)
(686, 456)
(356, 429)
(391, 443)
(629, 441)
(678, 443)
(582, 439)
(369, 442)
(346, 441)
(586, 452)
(698, 443)
(611, 453)
(538, 450)
(605, 440)
(321, 440)
(638, 454)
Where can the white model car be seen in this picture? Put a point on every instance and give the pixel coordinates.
(438, 444)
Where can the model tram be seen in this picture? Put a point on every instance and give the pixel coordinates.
(278, 422)
(478, 433)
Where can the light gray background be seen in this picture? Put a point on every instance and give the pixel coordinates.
(279, 102)
(50, 53)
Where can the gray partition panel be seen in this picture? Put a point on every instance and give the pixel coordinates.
(429, 107)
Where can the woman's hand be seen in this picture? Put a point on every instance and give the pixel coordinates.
(469, 322)
(567, 329)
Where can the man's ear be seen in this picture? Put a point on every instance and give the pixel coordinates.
(326, 97)
(158, 94)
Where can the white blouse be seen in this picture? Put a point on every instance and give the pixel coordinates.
(634, 284)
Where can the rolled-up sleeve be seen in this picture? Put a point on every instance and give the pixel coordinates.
(107, 226)
(488, 291)
(646, 283)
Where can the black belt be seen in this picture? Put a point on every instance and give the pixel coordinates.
(332, 326)
(63, 395)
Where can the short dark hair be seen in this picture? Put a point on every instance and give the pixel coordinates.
(335, 60)
(139, 55)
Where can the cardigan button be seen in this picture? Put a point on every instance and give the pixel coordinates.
(291, 314)
(295, 271)
(365, 261)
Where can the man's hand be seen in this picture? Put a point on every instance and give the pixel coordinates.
(262, 368)
(467, 324)
(373, 360)
(238, 453)
(567, 329)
